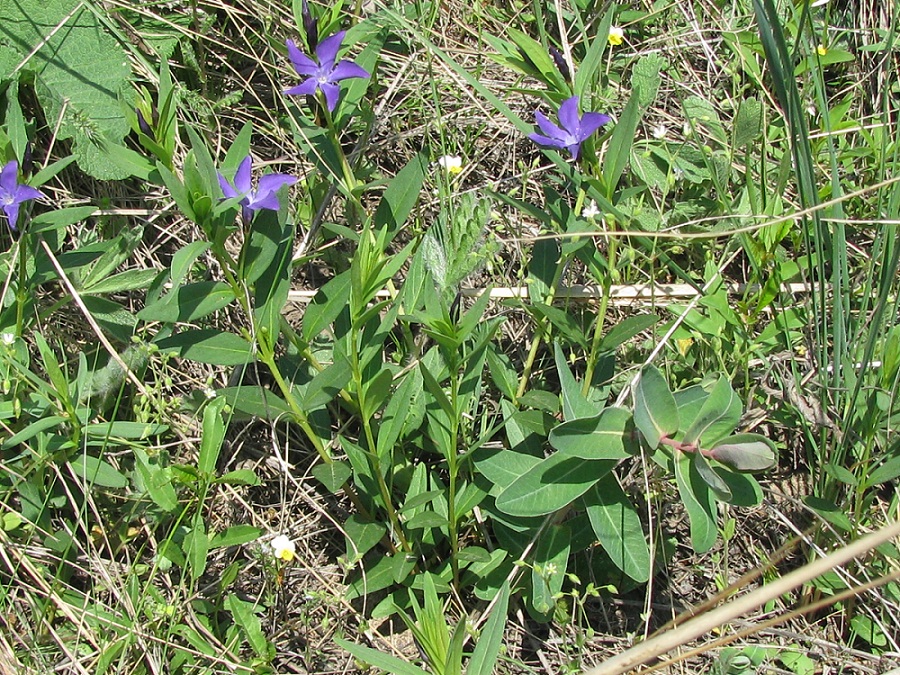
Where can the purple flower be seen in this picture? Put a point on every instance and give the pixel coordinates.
(324, 75)
(265, 196)
(574, 131)
(12, 194)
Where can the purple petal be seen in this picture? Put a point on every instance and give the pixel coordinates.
(307, 88)
(301, 62)
(242, 179)
(328, 48)
(547, 126)
(25, 192)
(547, 141)
(12, 214)
(9, 176)
(227, 190)
(332, 92)
(345, 70)
(574, 149)
(568, 115)
(270, 183)
(590, 123)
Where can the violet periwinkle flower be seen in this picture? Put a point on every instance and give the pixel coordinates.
(324, 75)
(573, 130)
(265, 196)
(12, 193)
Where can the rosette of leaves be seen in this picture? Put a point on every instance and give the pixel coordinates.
(691, 432)
(78, 72)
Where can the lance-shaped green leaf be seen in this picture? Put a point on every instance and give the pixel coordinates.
(617, 526)
(698, 501)
(745, 452)
(718, 417)
(574, 404)
(549, 567)
(655, 410)
(207, 345)
(551, 484)
(604, 436)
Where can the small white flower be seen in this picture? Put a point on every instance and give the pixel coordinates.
(616, 36)
(283, 548)
(452, 164)
(687, 130)
(590, 211)
(8, 339)
(659, 131)
(209, 393)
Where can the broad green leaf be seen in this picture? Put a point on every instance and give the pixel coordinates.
(703, 114)
(256, 402)
(537, 56)
(698, 501)
(112, 317)
(745, 490)
(883, 473)
(332, 475)
(645, 79)
(183, 260)
(213, 435)
(627, 329)
(747, 123)
(655, 410)
(361, 536)
(401, 195)
(386, 662)
(574, 404)
(189, 303)
(244, 616)
(126, 430)
(328, 303)
(551, 556)
(710, 477)
(551, 484)
(155, 479)
(97, 472)
(235, 536)
(618, 150)
(238, 477)
(196, 548)
(39, 425)
(617, 525)
(403, 413)
(745, 452)
(79, 73)
(207, 345)
(542, 269)
(326, 385)
(604, 436)
(720, 414)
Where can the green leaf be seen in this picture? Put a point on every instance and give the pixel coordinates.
(213, 435)
(328, 303)
(600, 437)
(487, 649)
(403, 408)
(645, 79)
(79, 70)
(710, 477)
(243, 613)
(551, 484)
(326, 385)
(745, 452)
(155, 479)
(698, 501)
(97, 472)
(207, 345)
(238, 477)
(256, 402)
(362, 536)
(655, 411)
(125, 281)
(235, 536)
(401, 195)
(332, 475)
(382, 661)
(720, 414)
(747, 123)
(551, 555)
(702, 113)
(617, 525)
(127, 430)
(574, 404)
(618, 150)
(196, 548)
(189, 303)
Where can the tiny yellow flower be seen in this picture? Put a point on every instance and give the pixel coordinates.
(616, 36)
(283, 548)
(452, 164)
(821, 50)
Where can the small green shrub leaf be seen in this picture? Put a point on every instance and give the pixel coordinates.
(210, 346)
(617, 526)
(745, 452)
(189, 303)
(718, 416)
(96, 471)
(551, 484)
(655, 411)
(600, 437)
(698, 501)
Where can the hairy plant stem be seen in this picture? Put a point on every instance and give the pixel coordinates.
(594, 356)
(453, 469)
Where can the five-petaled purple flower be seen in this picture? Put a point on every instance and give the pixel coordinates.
(324, 75)
(12, 194)
(265, 196)
(574, 130)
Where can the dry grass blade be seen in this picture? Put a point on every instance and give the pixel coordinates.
(704, 623)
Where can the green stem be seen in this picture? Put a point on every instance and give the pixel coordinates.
(606, 283)
(453, 468)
